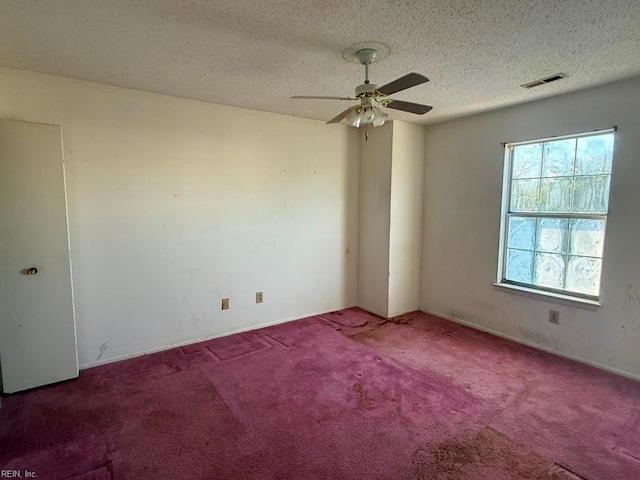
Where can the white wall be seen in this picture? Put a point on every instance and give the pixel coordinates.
(373, 219)
(405, 248)
(174, 204)
(463, 182)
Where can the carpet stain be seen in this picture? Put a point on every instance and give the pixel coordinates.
(160, 421)
(487, 454)
(374, 332)
(400, 320)
(365, 402)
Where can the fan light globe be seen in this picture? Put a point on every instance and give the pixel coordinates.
(368, 114)
(380, 118)
(354, 119)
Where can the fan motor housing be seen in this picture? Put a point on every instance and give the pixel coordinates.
(365, 88)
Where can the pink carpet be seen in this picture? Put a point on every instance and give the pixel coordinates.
(339, 396)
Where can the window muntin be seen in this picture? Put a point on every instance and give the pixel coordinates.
(556, 200)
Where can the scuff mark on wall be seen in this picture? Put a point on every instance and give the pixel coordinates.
(102, 348)
(631, 306)
(632, 295)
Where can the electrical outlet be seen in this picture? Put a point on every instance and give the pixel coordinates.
(554, 317)
(258, 297)
(225, 304)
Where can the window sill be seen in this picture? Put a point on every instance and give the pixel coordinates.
(549, 296)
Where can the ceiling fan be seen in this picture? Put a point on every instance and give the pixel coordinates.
(372, 97)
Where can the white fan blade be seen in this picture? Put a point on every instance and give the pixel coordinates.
(341, 115)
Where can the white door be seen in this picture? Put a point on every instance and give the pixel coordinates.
(37, 326)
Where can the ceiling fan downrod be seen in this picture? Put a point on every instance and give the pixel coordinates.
(366, 56)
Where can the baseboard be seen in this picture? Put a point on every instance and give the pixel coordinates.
(537, 346)
(403, 312)
(128, 356)
(387, 316)
(372, 310)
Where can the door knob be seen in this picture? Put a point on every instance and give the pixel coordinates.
(32, 271)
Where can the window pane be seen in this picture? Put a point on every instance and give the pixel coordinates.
(519, 264)
(587, 237)
(522, 233)
(555, 194)
(558, 158)
(583, 275)
(549, 270)
(524, 195)
(594, 154)
(591, 194)
(552, 235)
(527, 160)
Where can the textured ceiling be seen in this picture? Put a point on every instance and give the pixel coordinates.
(256, 54)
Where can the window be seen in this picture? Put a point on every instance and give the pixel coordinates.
(555, 203)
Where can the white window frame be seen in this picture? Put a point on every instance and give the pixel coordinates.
(535, 290)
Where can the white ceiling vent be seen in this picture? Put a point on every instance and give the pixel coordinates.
(542, 81)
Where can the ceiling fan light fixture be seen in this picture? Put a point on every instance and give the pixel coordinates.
(370, 114)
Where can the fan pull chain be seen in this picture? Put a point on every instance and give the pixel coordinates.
(366, 132)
